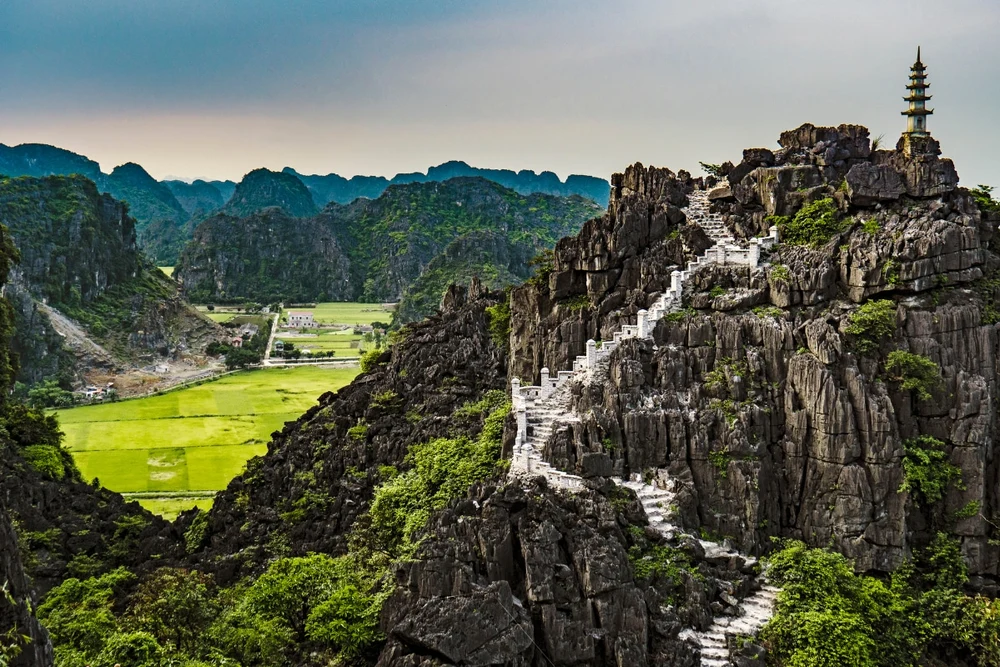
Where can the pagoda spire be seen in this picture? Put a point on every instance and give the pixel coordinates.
(917, 111)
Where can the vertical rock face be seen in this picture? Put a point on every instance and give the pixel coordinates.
(601, 277)
(758, 398)
(17, 603)
(524, 575)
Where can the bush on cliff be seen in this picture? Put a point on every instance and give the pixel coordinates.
(828, 616)
(870, 324)
(813, 225)
(914, 372)
(442, 469)
(927, 473)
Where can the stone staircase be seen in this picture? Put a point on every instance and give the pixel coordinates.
(541, 409)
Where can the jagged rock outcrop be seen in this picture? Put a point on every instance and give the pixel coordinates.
(18, 626)
(525, 575)
(758, 398)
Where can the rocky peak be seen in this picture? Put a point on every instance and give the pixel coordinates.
(263, 188)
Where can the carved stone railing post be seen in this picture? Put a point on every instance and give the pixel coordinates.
(546, 386)
(591, 353)
(754, 253)
(643, 322)
(675, 284)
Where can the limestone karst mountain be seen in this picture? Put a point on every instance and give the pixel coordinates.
(84, 295)
(375, 250)
(336, 188)
(804, 348)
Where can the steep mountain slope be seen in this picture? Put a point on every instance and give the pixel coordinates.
(392, 239)
(490, 256)
(80, 262)
(268, 256)
(263, 188)
(383, 245)
(44, 160)
(335, 188)
(786, 398)
(199, 198)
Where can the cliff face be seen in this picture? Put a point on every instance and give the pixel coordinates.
(85, 296)
(17, 603)
(779, 419)
(373, 250)
(268, 256)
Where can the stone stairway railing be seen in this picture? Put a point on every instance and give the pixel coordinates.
(539, 408)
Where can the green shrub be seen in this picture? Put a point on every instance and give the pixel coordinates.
(870, 226)
(78, 613)
(46, 460)
(827, 615)
(194, 536)
(370, 359)
(491, 400)
(720, 461)
(384, 399)
(983, 195)
(872, 322)
(358, 432)
(890, 271)
(768, 311)
(813, 225)
(660, 561)
(577, 303)
(135, 649)
(927, 473)
(441, 469)
(914, 372)
(779, 273)
(498, 323)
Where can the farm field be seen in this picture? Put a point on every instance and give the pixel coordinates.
(169, 270)
(191, 440)
(344, 343)
(352, 313)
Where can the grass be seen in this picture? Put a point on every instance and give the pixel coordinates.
(191, 440)
(347, 312)
(344, 343)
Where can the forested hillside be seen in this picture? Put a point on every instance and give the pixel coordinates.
(376, 249)
(84, 294)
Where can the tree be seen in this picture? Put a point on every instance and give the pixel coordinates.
(49, 394)
(175, 606)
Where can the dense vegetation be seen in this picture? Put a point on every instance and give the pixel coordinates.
(80, 258)
(374, 251)
(828, 616)
(813, 225)
(318, 605)
(262, 188)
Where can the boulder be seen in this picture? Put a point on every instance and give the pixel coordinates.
(868, 184)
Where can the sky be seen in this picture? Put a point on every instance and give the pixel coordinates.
(215, 88)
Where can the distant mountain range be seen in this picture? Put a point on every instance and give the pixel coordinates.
(167, 212)
(406, 245)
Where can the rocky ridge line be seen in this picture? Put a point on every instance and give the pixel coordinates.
(544, 407)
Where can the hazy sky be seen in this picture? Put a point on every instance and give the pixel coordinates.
(214, 88)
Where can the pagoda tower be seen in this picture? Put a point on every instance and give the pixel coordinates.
(916, 115)
(916, 140)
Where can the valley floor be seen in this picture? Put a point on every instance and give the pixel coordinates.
(175, 450)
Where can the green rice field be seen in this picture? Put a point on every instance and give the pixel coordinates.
(345, 343)
(176, 448)
(169, 270)
(351, 313)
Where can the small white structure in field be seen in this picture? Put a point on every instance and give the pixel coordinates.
(300, 320)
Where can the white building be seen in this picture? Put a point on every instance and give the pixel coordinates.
(300, 320)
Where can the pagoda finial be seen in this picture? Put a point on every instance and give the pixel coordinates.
(918, 54)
